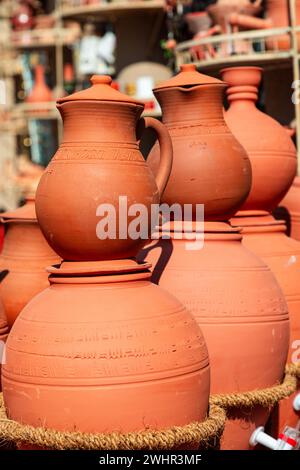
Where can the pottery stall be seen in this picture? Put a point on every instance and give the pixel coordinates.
(23, 260)
(102, 334)
(273, 159)
(231, 292)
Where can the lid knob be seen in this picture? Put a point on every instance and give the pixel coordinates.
(188, 68)
(101, 80)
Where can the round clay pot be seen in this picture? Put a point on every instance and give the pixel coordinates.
(98, 161)
(103, 349)
(209, 164)
(270, 149)
(241, 309)
(40, 92)
(291, 203)
(23, 260)
(3, 335)
(266, 237)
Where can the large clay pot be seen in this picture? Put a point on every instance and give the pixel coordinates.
(241, 310)
(266, 237)
(215, 169)
(291, 203)
(23, 260)
(103, 349)
(40, 92)
(100, 158)
(268, 145)
(278, 12)
(3, 335)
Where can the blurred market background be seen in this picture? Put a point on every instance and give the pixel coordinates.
(50, 48)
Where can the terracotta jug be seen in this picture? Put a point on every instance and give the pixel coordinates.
(291, 203)
(105, 350)
(100, 158)
(262, 137)
(23, 260)
(40, 92)
(216, 169)
(240, 308)
(3, 335)
(266, 237)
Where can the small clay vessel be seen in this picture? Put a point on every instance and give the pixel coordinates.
(3, 335)
(291, 204)
(103, 336)
(40, 92)
(23, 260)
(278, 12)
(266, 237)
(209, 164)
(241, 309)
(98, 161)
(268, 145)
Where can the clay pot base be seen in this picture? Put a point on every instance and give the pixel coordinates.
(266, 237)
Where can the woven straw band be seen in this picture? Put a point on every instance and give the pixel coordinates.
(192, 435)
(266, 397)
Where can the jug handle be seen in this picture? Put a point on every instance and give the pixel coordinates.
(166, 152)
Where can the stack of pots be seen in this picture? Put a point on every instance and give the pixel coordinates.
(103, 349)
(273, 159)
(231, 292)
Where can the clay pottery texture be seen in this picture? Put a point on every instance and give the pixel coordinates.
(278, 12)
(3, 335)
(98, 160)
(40, 91)
(23, 260)
(291, 203)
(270, 149)
(241, 310)
(209, 164)
(266, 237)
(103, 349)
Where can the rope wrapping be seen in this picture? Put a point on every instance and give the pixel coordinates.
(197, 434)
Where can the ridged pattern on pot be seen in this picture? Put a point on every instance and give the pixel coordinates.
(266, 237)
(246, 334)
(270, 149)
(23, 262)
(209, 165)
(128, 352)
(291, 203)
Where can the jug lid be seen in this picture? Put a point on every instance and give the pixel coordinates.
(101, 90)
(189, 76)
(26, 212)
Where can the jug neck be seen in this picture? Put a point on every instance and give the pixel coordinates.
(90, 122)
(242, 96)
(39, 75)
(197, 104)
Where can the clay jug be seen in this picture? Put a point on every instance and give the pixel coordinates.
(241, 309)
(262, 137)
(215, 170)
(3, 335)
(40, 92)
(278, 12)
(266, 237)
(103, 336)
(291, 204)
(23, 260)
(100, 158)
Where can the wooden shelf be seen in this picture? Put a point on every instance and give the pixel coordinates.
(111, 9)
(35, 111)
(38, 38)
